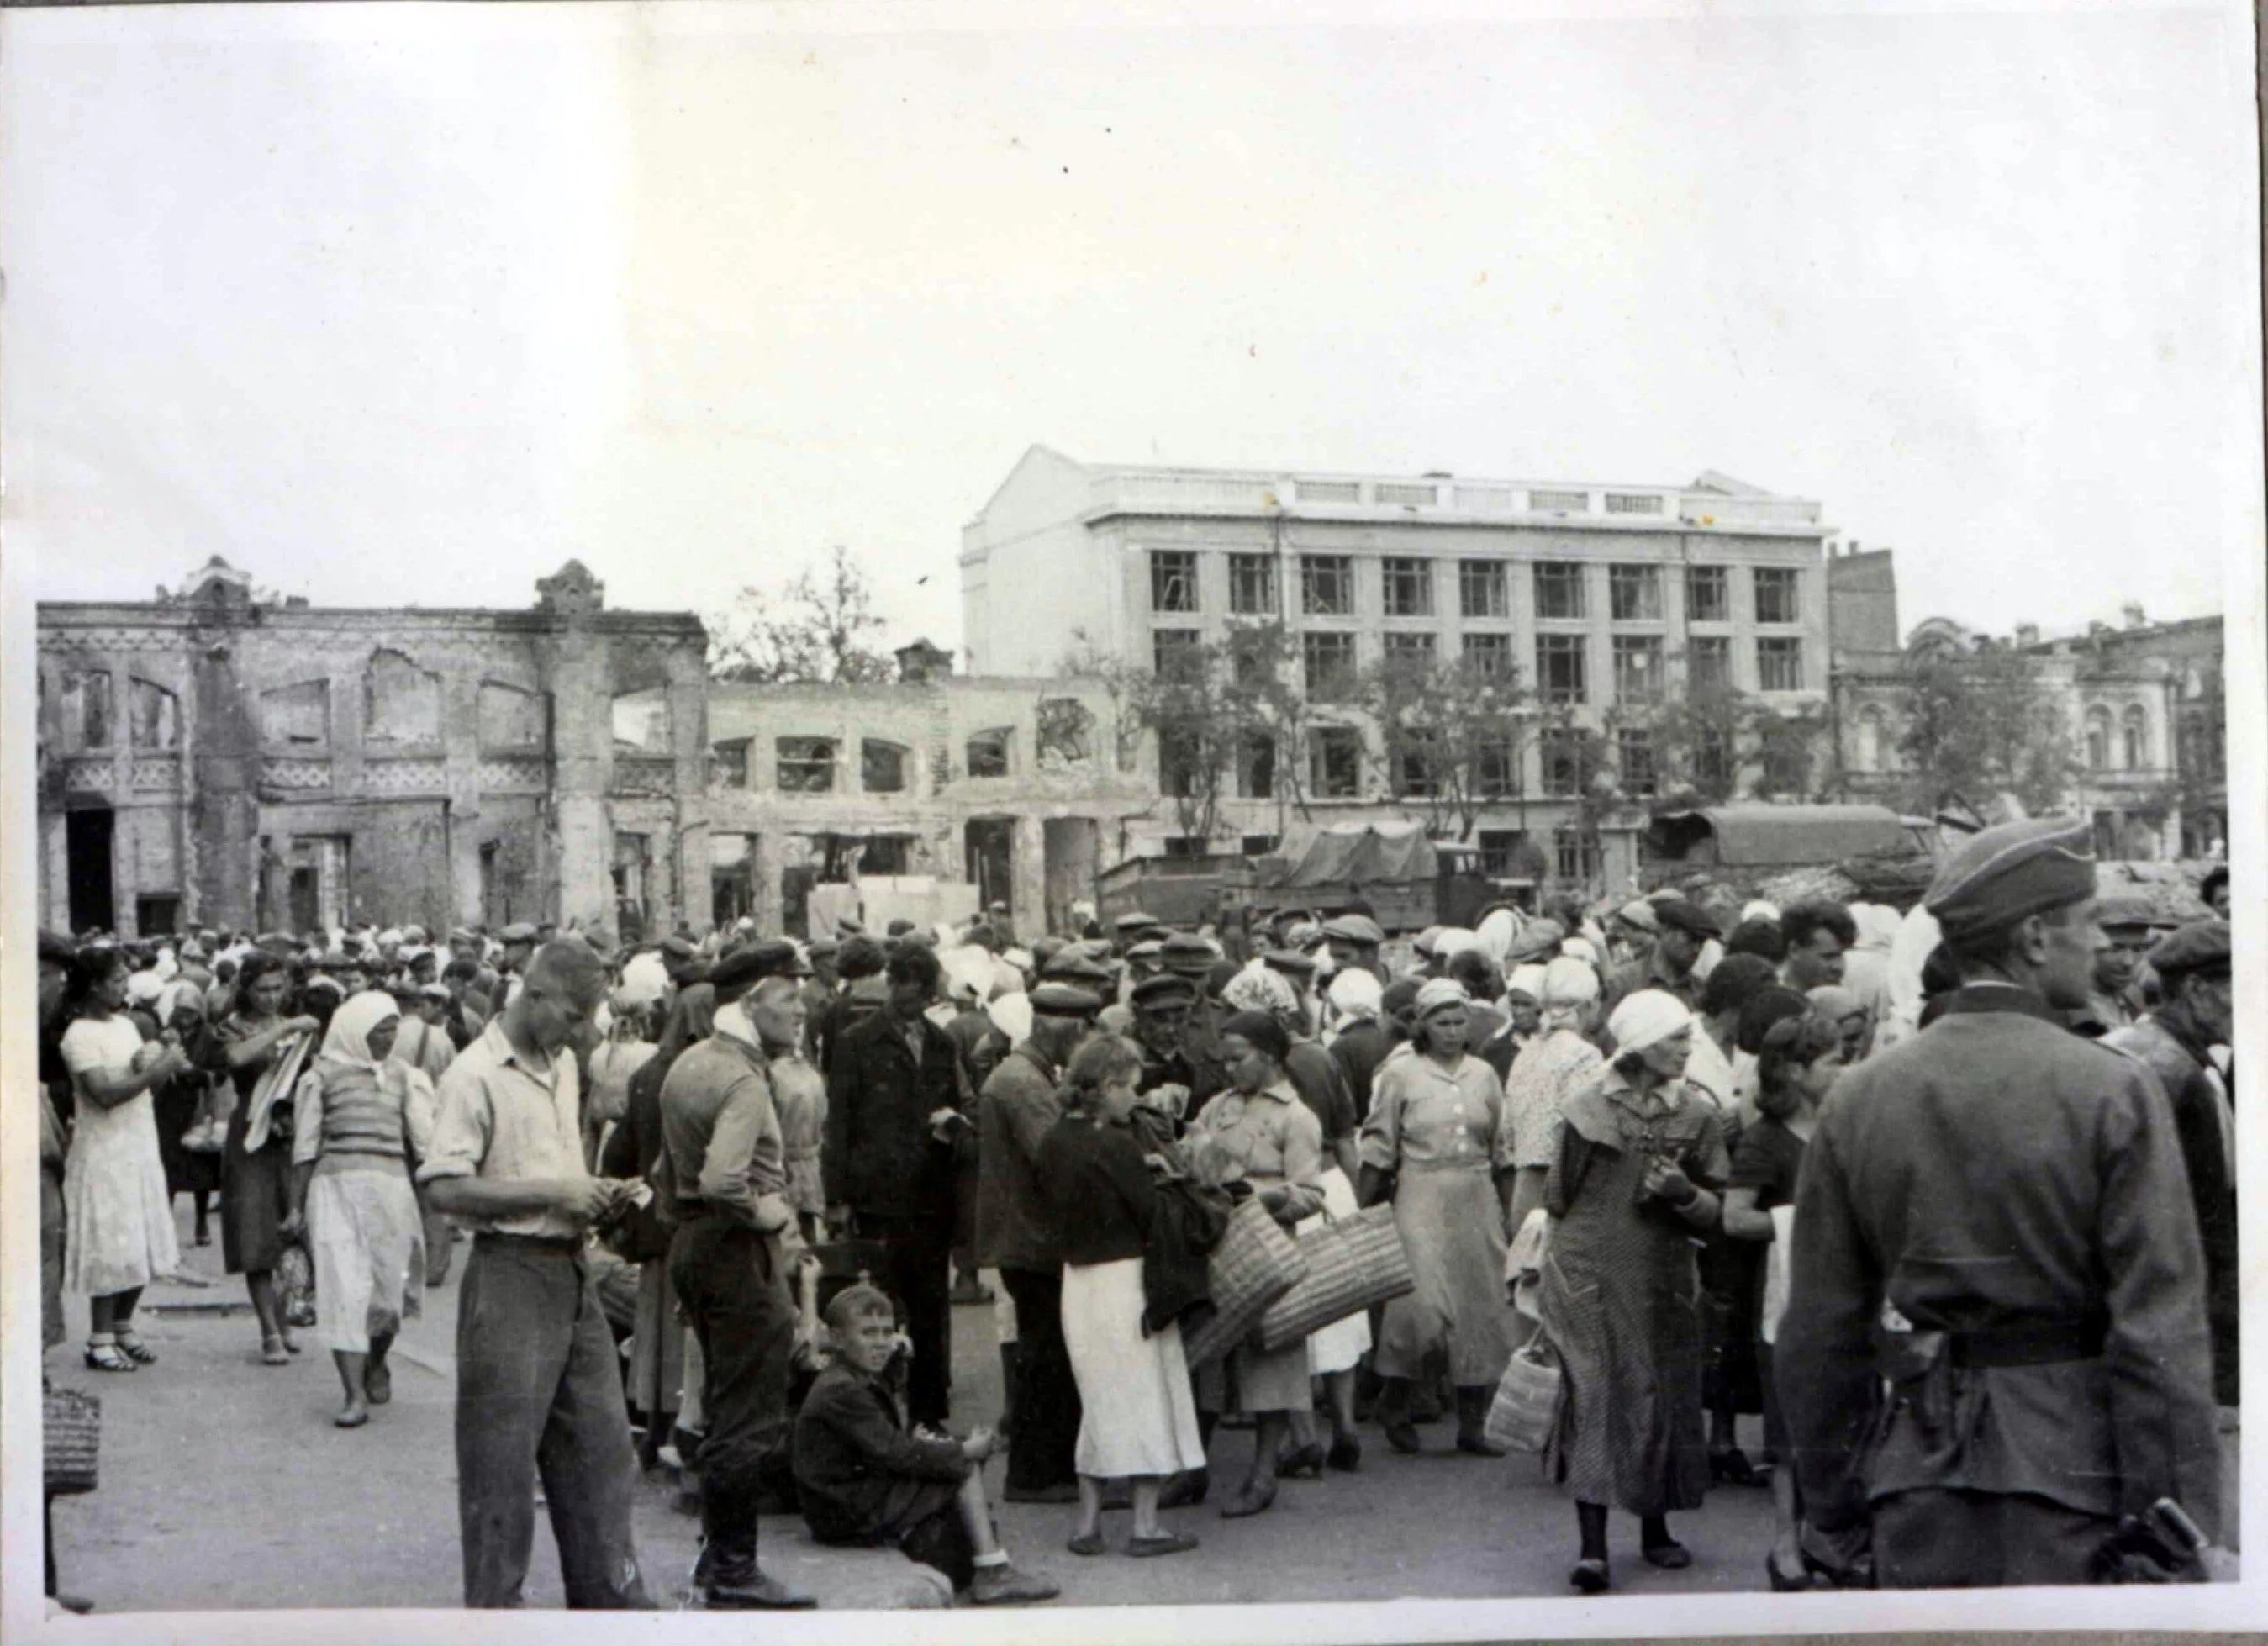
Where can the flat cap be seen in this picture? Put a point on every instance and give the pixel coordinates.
(1289, 960)
(743, 969)
(1134, 922)
(1640, 913)
(1688, 916)
(518, 932)
(1185, 951)
(1165, 987)
(1075, 965)
(2200, 946)
(1359, 929)
(2009, 872)
(1064, 1000)
(2124, 913)
(1148, 949)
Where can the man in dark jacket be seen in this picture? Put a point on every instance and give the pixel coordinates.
(2017, 1194)
(2177, 1041)
(1015, 1234)
(896, 1101)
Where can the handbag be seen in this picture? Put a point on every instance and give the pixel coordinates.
(71, 1440)
(1525, 1412)
(295, 1285)
(1255, 1263)
(1352, 1262)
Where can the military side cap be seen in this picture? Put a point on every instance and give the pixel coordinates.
(2200, 946)
(518, 932)
(1063, 999)
(2124, 913)
(1688, 916)
(2009, 872)
(1359, 929)
(1289, 960)
(1164, 988)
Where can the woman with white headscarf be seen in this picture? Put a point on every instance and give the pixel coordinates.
(1427, 1145)
(1558, 1063)
(1635, 1175)
(359, 1122)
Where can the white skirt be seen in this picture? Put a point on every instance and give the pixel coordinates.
(1340, 1346)
(1139, 1416)
(367, 1242)
(119, 1232)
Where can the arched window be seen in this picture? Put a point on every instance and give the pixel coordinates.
(2098, 740)
(2136, 735)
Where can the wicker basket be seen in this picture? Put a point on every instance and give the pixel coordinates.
(1255, 1263)
(1353, 1262)
(72, 1440)
(1526, 1409)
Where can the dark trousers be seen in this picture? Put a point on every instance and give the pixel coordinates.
(733, 1287)
(1937, 1538)
(1041, 1449)
(918, 1274)
(539, 1392)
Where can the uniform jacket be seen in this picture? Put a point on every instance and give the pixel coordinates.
(879, 1157)
(851, 1448)
(722, 1134)
(1998, 1174)
(2179, 1059)
(1015, 1228)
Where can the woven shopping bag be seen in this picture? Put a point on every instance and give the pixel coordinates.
(1255, 1263)
(1352, 1262)
(71, 1440)
(1526, 1409)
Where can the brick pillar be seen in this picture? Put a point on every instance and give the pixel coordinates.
(1027, 874)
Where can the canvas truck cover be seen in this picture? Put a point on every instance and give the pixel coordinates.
(1766, 837)
(1357, 854)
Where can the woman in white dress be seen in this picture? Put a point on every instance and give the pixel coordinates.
(121, 1230)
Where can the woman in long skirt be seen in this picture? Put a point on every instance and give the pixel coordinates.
(357, 1122)
(1138, 1420)
(1429, 1144)
(1632, 1181)
(119, 1231)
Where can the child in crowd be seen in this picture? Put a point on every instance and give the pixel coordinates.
(862, 1478)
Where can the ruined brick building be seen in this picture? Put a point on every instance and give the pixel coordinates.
(223, 759)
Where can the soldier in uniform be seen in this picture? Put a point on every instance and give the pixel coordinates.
(2017, 1196)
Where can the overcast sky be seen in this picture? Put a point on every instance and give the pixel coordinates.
(408, 305)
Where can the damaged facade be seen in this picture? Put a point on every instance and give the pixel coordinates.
(220, 758)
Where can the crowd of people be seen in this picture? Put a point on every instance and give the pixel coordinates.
(1856, 1170)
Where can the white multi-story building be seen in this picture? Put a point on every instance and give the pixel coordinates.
(1593, 595)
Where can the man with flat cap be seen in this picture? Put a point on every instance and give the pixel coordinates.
(1161, 1007)
(2016, 1193)
(1681, 930)
(2114, 996)
(1017, 1110)
(1355, 941)
(2177, 1041)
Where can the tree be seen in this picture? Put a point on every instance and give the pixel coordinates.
(1705, 739)
(1981, 723)
(1452, 738)
(820, 628)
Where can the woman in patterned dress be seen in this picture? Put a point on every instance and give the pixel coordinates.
(1428, 1144)
(1560, 1062)
(1633, 1178)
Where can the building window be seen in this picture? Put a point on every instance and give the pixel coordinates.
(1483, 589)
(1501, 850)
(1256, 767)
(158, 914)
(1065, 735)
(1181, 762)
(1252, 584)
(641, 722)
(1408, 587)
(1250, 661)
(881, 767)
(401, 702)
(1559, 591)
(1633, 503)
(291, 717)
(807, 764)
(1331, 492)
(1417, 762)
(1563, 667)
(1638, 667)
(1634, 754)
(155, 719)
(1634, 594)
(1708, 597)
(1259, 844)
(1575, 854)
(1404, 494)
(1413, 652)
(732, 758)
(86, 708)
(1569, 758)
(1775, 595)
(512, 720)
(1495, 770)
(1713, 760)
(1709, 662)
(1489, 655)
(987, 752)
(1182, 846)
(2135, 732)
(1328, 660)
(1326, 586)
(1335, 762)
(1174, 653)
(1779, 665)
(2098, 740)
(1559, 502)
(1173, 580)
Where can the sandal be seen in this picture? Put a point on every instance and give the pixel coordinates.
(272, 1353)
(106, 1356)
(1164, 1543)
(1591, 1577)
(1091, 1543)
(140, 1352)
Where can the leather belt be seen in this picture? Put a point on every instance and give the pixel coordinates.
(2028, 1343)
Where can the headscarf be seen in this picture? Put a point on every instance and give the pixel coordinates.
(1834, 1002)
(1356, 993)
(1011, 1015)
(1647, 1018)
(170, 998)
(144, 987)
(1528, 980)
(346, 1043)
(1259, 989)
(1496, 933)
(1436, 993)
(1578, 948)
(1569, 985)
(1454, 940)
(1759, 910)
(1538, 938)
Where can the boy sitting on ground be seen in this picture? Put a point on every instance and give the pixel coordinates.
(865, 1480)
